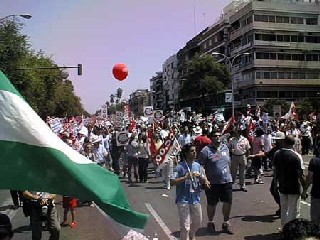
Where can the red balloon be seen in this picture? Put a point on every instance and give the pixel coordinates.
(120, 71)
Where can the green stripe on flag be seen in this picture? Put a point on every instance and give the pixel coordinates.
(34, 158)
(6, 85)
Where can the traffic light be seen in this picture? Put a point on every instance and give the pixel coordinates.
(79, 69)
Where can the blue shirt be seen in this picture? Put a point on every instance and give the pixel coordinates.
(187, 191)
(216, 163)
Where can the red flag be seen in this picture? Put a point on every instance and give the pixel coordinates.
(228, 126)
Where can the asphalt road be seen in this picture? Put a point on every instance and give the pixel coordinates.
(252, 215)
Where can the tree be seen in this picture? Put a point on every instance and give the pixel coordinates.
(45, 91)
(203, 76)
(268, 106)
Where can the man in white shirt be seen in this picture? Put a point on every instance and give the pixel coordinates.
(239, 147)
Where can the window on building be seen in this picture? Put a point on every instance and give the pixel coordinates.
(210, 42)
(286, 38)
(282, 19)
(287, 57)
(312, 39)
(261, 18)
(257, 36)
(294, 38)
(295, 75)
(302, 75)
(312, 57)
(266, 75)
(249, 20)
(287, 75)
(280, 38)
(299, 94)
(296, 20)
(300, 38)
(273, 56)
(280, 56)
(272, 18)
(281, 75)
(274, 75)
(258, 75)
(312, 21)
(312, 75)
(295, 57)
(259, 55)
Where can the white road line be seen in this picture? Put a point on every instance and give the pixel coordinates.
(160, 222)
(305, 203)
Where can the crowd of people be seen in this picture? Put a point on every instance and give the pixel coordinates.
(209, 155)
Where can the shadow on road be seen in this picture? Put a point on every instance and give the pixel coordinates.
(155, 188)
(4, 208)
(200, 233)
(22, 229)
(270, 236)
(264, 218)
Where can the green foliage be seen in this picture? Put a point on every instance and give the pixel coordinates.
(268, 106)
(307, 105)
(115, 107)
(44, 89)
(204, 76)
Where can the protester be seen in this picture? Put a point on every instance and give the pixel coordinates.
(69, 204)
(215, 159)
(188, 177)
(143, 158)
(132, 154)
(288, 166)
(43, 208)
(314, 179)
(239, 147)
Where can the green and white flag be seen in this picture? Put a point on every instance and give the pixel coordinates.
(33, 158)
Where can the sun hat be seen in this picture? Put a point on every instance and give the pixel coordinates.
(95, 139)
(197, 130)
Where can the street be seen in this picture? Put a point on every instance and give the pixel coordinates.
(252, 215)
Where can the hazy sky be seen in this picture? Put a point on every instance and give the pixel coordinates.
(100, 33)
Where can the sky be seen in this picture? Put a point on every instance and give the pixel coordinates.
(101, 33)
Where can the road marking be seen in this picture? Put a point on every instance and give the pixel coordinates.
(160, 222)
(305, 203)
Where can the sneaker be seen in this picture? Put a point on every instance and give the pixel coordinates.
(226, 227)
(244, 189)
(64, 224)
(73, 224)
(211, 227)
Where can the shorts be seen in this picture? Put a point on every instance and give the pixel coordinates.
(69, 202)
(219, 193)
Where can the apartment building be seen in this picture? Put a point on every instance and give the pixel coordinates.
(170, 83)
(138, 100)
(156, 86)
(283, 39)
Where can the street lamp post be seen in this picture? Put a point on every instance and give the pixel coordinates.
(230, 63)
